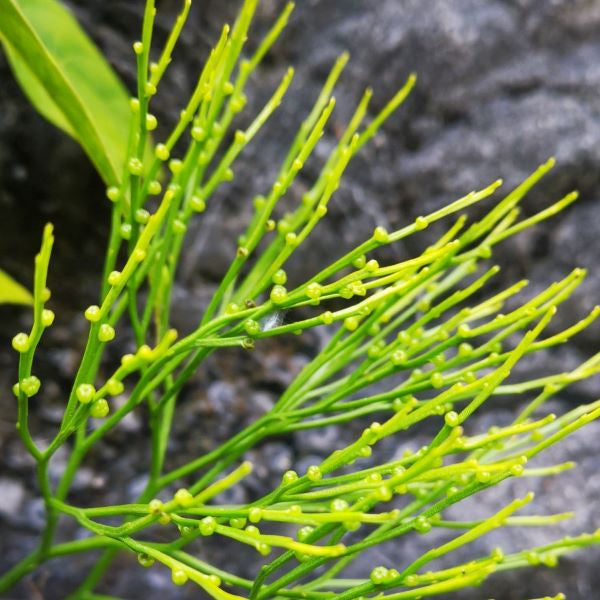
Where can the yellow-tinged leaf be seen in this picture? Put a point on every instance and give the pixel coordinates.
(12, 292)
(67, 79)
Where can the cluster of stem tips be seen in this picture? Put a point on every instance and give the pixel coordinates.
(412, 341)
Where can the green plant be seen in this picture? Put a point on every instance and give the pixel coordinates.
(12, 292)
(423, 327)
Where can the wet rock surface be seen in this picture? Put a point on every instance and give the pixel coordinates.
(502, 85)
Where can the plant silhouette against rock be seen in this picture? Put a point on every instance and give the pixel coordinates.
(411, 341)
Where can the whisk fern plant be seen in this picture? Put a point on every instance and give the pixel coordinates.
(410, 341)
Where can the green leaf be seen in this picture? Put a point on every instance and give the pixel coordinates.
(12, 292)
(67, 79)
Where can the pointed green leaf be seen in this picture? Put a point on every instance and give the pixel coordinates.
(12, 292)
(67, 79)
(36, 93)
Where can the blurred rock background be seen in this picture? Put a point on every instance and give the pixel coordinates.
(503, 84)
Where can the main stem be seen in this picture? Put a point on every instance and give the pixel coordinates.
(44, 551)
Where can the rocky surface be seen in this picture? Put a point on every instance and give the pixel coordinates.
(502, 85)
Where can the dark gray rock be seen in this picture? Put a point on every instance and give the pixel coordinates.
(13, 494)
